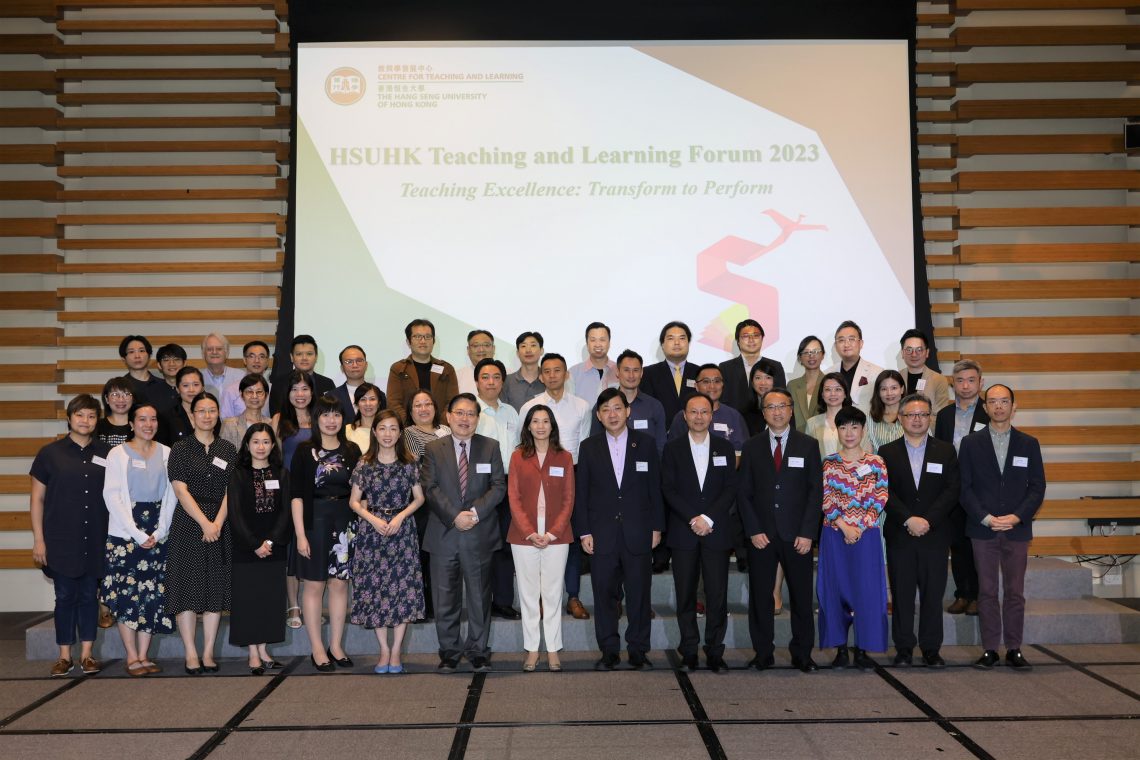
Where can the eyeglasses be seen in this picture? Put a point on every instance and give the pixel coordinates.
(480, 346)
(916, 415)
(262, 357)
(811, 352)
(120, 395)
(354, 362)
(750, 336)
(416, 336)
(710, 381)
(463, 413)
(914, 351)
(776, 407)
(998, 401)
(255, 392)
(846, 341)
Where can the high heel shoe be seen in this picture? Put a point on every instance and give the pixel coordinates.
(323, 667)
(553, 663)
(343, 662)
(210, 668)
(272, 664)
(256, 670)
(531, 662)
(195, 671)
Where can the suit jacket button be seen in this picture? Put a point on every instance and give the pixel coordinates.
(777, 486)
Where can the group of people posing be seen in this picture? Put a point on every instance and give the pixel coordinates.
(210, 490)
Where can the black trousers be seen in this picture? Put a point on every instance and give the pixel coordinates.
(610, 574)
(688, 567)
(962, 558)
(916, 564)
(503, 564)
(762, 564)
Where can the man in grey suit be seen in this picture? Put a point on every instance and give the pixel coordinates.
(463, 481)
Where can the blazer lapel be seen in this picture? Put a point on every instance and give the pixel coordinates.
(990, 454)
(630, 464)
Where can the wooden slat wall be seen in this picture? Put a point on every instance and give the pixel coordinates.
(1029, 209)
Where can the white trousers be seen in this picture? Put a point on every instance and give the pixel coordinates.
(539, 573)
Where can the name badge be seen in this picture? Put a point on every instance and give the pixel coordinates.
(641, 424)
(643, 466)
(796, 462)
(437, 369)
(138, 464)
(220, 463)
(556, 472)
(934, 467)
(921, 384)
(720, 461)
(863, 470)
(483, 468)
(979, 426)
(272, 485)
(99, 461)
(1021, 461)
(690, 383)
(720, 427)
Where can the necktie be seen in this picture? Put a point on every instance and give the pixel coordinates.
(778, 455)
(677, 379)
(463, 469)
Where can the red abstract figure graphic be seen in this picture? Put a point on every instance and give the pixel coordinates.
(750, 298)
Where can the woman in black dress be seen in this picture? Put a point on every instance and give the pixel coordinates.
(176, 423)
(319, 475)
(198, 552)
(118, 397)
(259, 515)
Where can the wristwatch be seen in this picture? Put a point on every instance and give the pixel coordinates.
(270, 543)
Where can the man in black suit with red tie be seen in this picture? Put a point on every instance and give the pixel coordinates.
(698, 481)
(780, 500)
(923, 492)
(619, 517)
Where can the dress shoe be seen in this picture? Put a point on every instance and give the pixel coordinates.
(193, 671)
(958, 607)
(90, 666)
(904, 658)
(395, 669)
(343, 662)
(805, 666)
(272, 664)
(481, 664)
(257, 670)
(106, 619)
(62, 667)
(505, 611)
(660, 567)
(380, 670)
(759, 663)
(323, 667)
(1015, 659)
(553, 663)
(741, 565)
(717, 664)
(136, 669)
(988, 659)
(864, 661)
(842, 659)
(972, 608)
(152, 667)
(608, 662)
(688, 662)
(447, 665)
(638, 661)
(531, 662)
(576, 610)
(210, 668)
(933, 660)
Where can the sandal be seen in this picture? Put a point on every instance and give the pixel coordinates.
(293, 619)
(137, 669)
(151, 666)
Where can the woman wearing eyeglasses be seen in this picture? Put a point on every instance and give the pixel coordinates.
(114, 428)
(805, 388)
(254, 392)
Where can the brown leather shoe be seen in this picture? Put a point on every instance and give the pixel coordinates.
(106, 619)
(972, 608)
(90, 666)
(958, 607)
(61, 668)
(575, 609)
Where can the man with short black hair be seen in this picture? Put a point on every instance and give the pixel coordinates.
(571, 412)
(135, 351)
(480, 346)
(598, 371)
(727, 423)
(420, 371)
(255, 355)
(915, 349)
(354, 365)
(859, 373)
(673, 379)
(170, 358)
(303, 355)
(645, 412)
(524, 383)
(736, 371)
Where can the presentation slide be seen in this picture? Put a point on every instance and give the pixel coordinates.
(543, 186)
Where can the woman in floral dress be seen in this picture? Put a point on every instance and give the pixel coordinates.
(386, 575)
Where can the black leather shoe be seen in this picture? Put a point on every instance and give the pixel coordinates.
(933, 660)
(638, 661)
(343, 662)
(210, 668)
(447, 665)
(903, 659)
(805, 666)
(608, 662)
(272, 664)
(717, 664)
(741, 565)
(323, 667)
(193, 671)
(481, 664)
(1015, 659)
(864, 661)
(988, 659)
(688, 662)
(758, 663)
(257, 670)
(842, 659)
(505, 612)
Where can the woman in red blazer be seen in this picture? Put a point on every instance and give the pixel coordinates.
(541, 493)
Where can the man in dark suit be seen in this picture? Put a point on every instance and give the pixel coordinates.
(954, 422)
(463, 482)
(1003, 485)
(698, 481)
(303, 354)
(749, 339)
(619, 517)
(780, 500)
(354, 365)
(673, 380)
(923, 492)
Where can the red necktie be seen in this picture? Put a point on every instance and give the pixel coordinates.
(778, 455)
(463, 468)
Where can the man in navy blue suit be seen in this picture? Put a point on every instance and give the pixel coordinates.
(1003, 485)
(354, 364)
(619, 517)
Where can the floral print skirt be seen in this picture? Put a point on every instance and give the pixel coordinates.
(134, 587)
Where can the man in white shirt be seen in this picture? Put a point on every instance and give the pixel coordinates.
(480, 346)
(255, 354)
(859, 373)
(500, 421)
(216, 375)
(598, 372)
(571, 412)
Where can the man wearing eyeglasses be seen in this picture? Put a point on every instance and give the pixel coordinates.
(919, 377)
(420, 370)
(255, 355)
(749, 339)
(780, 499)
(859, 373)
(923, 492)
(354, 365)
(480, 346)
(727, 423)
(1003, 485)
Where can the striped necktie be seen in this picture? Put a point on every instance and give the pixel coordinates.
(463, 469)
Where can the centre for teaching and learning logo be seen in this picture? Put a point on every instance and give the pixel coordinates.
(345, 86)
